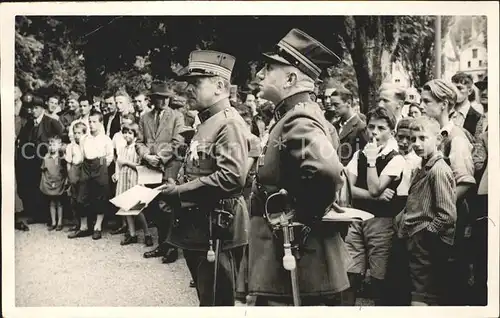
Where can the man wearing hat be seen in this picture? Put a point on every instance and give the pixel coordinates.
(33, 141)
(159, 131)
(300, 159)
(210, 218)
(482, 124)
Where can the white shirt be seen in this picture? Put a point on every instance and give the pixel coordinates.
(74, 154)
(412, 162)
(459, 114)
(38, 120)
(99, 146)
(393, 169)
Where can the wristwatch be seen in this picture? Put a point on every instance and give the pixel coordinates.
(370, 165)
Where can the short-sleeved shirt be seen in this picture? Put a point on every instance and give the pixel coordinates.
(99, 146)
(412, 162)
(392, 169)
(460, 153)
(74, 154)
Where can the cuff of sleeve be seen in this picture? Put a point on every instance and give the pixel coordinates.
(434, 228)
(467, 179)
(187, 192)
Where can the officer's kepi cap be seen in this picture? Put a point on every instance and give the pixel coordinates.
(203, 63)
(304, 52)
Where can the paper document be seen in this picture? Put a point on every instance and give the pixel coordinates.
(131, 212)
(349, 215)
(148, 176)
(136, 198)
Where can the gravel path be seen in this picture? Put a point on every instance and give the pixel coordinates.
(52, 270)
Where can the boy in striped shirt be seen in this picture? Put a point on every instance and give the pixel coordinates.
(428, 222)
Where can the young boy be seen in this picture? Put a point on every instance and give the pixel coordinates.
(439, 98)
(429, 219)
(397, 278)
(93, 191)
(74, 159)
(374, 174)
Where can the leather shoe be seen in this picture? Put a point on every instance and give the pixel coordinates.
(170, 256)
(79, 234)
(120, 230)
(97, 235)
(129, 240)
(192, 284)
(157, 252)
(21, 226)
(148, 240)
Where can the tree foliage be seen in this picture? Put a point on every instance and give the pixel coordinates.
(46, 59)
(97, 54)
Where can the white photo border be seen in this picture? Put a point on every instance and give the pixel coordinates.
(8, 11)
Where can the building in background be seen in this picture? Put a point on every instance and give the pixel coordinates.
(474, 60)
(399, 75)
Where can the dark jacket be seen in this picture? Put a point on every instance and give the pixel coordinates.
(115, 124)
(32, 145)
(352, 137)
(471, 120)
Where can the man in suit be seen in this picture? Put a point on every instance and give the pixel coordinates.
(67, 116)
(351, 128)
(112, 120)
(392, 96)
(299, 158)
(141, 105)
(463, 115)
(159, 134)
(33, 142)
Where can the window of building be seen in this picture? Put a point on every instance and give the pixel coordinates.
(397, 80)
(480, 76)
(480, 63)
(468, 64)
(474, 53)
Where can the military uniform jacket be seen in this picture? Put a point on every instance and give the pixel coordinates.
(300, 158)
(213, 177)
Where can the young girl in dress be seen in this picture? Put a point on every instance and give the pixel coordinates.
(119, 143)
(53, 181)
(126, 177)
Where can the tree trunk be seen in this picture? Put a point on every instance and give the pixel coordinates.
(366, 53)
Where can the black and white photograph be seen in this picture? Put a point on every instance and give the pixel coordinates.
(249, 154)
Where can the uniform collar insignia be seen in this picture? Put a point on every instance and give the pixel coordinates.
(205, 114)
(289, 103)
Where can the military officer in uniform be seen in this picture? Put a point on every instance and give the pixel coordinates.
(208, 205)
(299, 157)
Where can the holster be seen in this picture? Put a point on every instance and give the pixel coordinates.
(221, 224)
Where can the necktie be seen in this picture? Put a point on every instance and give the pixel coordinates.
(157, 120)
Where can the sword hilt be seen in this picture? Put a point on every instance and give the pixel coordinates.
(289, 262)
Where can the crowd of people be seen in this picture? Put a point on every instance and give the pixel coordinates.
(417, 161)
